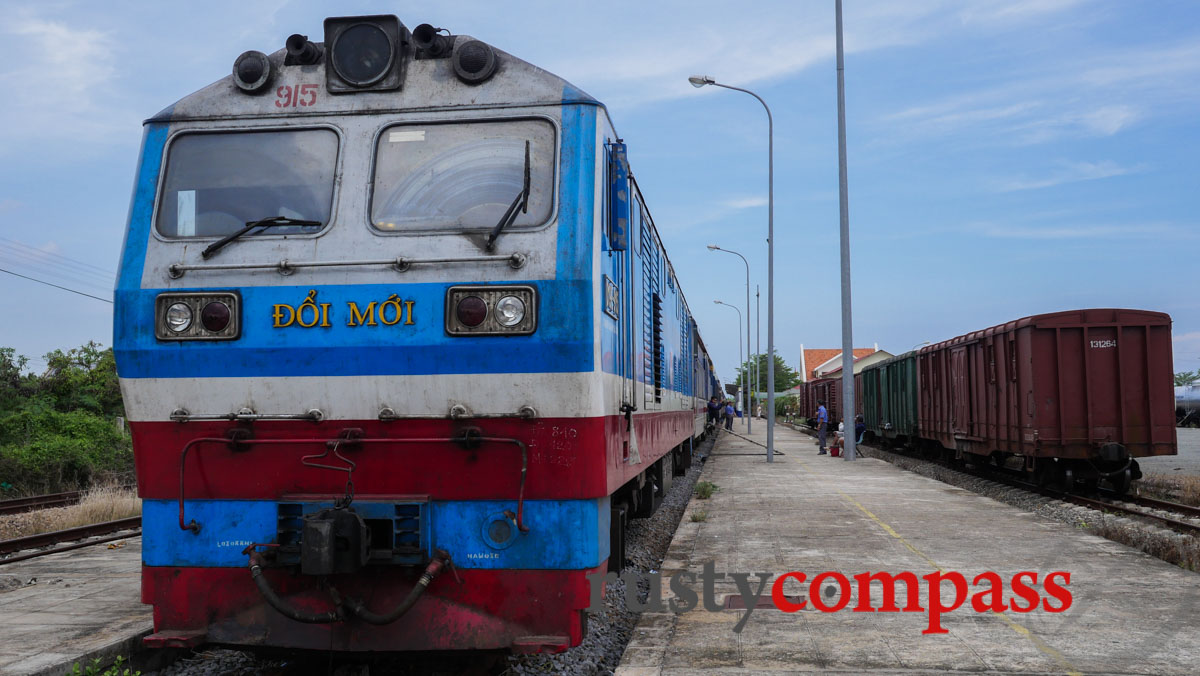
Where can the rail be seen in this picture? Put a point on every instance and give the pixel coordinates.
(1109, 504)
(36, 502)
(67, 535)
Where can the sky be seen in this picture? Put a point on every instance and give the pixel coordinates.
(1005, 158)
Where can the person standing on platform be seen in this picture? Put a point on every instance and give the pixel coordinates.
(714, 411)
(729, 412)
(822, 425)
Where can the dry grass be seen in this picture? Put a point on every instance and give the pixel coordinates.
(100, 504)
(1185, 488)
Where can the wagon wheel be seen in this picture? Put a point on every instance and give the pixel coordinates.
(1068, 480)
(1045, 474)
(1121, 482)
(998, 459)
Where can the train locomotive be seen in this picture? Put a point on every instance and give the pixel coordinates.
(400, 347)
(1069, 398)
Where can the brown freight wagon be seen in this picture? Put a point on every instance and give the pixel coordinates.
(828, 390)
(1077, 394)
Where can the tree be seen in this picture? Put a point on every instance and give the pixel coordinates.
(1186, 377)
(14, 383)
(785, 376)
(57, 429)
(83, 378)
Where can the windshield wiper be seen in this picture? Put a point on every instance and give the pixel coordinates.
(522, 202)
(271, 222)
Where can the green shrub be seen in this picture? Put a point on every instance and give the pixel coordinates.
(705, 489)
(42, 450)
(58, 429)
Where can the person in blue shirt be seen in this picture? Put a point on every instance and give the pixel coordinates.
(714, 411)
(822, 425)
(729, 415)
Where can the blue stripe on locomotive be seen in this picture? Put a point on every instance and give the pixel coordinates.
(563, 535)
(562, 342)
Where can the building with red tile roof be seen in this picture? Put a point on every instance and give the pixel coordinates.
(817, 362)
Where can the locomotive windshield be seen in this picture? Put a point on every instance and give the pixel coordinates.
(216, 183)
(462, 176)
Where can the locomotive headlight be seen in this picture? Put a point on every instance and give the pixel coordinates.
(362, 54)
(471, 311)
(215, 316)
(178, 317)
(510, 310)
(197, 315)
(491, 310)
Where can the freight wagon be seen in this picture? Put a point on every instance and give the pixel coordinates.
(1075, 396)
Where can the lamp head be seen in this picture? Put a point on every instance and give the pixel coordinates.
(713, 247)
(701, 80)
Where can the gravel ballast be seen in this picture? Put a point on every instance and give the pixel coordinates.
(609, 631)
(1168, 545)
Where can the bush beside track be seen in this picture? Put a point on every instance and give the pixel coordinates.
(58, 430)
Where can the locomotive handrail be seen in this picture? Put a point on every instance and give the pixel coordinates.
(181, 415)
(518, 519)
(515, 260)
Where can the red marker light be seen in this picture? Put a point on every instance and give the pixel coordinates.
(471, 311)
(215, 316)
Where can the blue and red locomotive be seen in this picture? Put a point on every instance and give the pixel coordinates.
(400, 348)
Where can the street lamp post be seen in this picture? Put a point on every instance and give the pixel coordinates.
(739, 336)
(746, 399)
(700, 81)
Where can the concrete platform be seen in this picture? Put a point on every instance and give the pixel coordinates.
(1130, 613)
(84, 604)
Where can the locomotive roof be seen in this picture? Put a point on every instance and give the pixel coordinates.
(429, 84)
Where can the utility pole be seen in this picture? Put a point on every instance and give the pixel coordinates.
(844, 203)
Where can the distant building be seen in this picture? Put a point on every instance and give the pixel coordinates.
(819, 363)
(860, 363)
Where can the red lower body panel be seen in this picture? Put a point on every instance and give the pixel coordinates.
(490, 609)
(569, 458)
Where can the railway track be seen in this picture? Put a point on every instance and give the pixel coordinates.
(1111, 503)
(36, 502)
(71, 536)
(1107, 501)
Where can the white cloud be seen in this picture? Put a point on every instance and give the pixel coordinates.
(745, 202)
(1108, 120)
(1082, 231)
(1084, 96)
(1071, 172)
(62, 87)
(744, 49)
(1011, 11)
